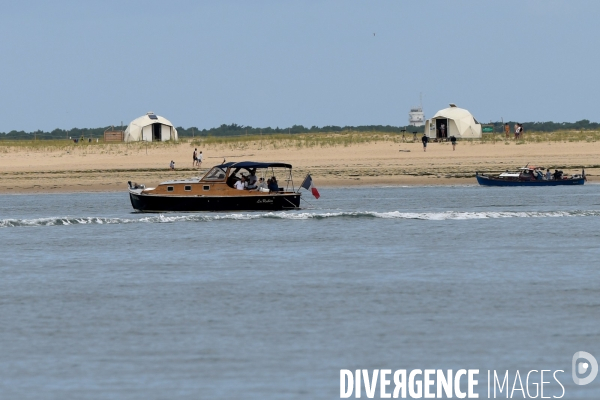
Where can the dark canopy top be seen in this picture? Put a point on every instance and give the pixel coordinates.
(253, 164)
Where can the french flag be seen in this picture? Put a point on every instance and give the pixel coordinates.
(308, 185)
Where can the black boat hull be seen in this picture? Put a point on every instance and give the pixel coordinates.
(489, 181)
(266, 202)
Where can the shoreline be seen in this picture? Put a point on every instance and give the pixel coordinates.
(107, 168)
(323, 184)
(116, 187)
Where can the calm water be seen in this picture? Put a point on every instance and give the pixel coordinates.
(97, 302)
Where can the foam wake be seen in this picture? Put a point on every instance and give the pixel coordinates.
(162, 218)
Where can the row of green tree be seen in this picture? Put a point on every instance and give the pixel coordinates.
(223, 130)
(238, 130)
(74, 133)
(550, 126)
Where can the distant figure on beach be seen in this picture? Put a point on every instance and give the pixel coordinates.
(507, 130)
(195, 156)
(200, 159)
(172, 165)
(453, 141)
(520, 131)
(424, 139)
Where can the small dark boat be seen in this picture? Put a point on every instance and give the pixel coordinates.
(530, 176)
(216, 190)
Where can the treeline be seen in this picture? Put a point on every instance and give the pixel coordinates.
(74, 133)
(582, 125)
(239, 130)
(223, 130)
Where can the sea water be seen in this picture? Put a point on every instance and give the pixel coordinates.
(99, 302)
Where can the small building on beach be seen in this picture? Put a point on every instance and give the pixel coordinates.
(150, 128)
(453, 121)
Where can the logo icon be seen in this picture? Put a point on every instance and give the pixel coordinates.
(581, 367)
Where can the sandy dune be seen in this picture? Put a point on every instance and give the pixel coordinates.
(109, 167)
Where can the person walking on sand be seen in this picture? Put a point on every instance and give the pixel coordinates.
(172, 165)
(195, 158)
(199, 159)
(453, 141)
(507, 130)
(424, 139)
(521, 131)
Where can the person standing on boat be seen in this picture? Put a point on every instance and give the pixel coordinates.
(424, 139)
(453, 141)
(548, 175)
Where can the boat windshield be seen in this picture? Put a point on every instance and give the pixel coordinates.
(215, 174)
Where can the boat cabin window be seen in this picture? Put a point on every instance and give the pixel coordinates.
(215, 174)
(169, 188)
(187, 188)
(206, 187)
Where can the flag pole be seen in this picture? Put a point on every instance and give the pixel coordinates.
(312, 205)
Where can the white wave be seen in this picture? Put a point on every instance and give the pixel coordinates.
(162, 218)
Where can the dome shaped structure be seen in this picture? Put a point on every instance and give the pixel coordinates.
(150, 128)
(453, 121)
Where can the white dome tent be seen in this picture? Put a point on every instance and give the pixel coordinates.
(453, 121)
(150, 128)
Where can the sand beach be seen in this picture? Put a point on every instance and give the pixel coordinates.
(69, 167)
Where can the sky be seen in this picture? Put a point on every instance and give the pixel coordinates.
(88, 64)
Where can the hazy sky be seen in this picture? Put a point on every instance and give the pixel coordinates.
(78, 63)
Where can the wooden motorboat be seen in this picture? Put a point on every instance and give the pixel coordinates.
(530, 176)
(216, 190)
